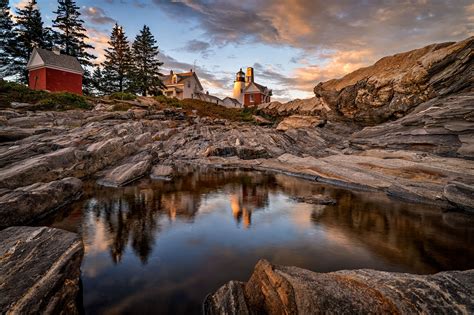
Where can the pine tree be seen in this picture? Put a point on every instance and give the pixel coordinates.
(72, 36)
(7, 39)
(50, 37)
(146, 65)
(117, 62)
(97, 81)
(29, 34)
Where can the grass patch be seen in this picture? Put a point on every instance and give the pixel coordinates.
(168, 101)
(121, 107)
(123, 96)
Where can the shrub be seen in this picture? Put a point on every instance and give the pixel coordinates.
(123, 96)
(168, 101)
(16, 92)
(63, 101)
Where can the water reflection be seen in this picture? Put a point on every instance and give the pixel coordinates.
(162, 246)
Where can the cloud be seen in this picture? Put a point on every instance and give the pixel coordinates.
(96, 15)
(334, 37)
(99, 39)
(320, 24)
(198, 46)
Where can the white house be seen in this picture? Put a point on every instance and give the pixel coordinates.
(231, 103)
(182, 85)
(208, 98)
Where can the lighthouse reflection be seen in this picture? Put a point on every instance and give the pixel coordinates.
(164, 245)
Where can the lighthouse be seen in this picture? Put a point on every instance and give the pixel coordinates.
(247, 91)
(239, 86)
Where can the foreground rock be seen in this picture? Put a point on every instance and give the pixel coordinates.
(291, 290)
(25, 204)
(39, 270)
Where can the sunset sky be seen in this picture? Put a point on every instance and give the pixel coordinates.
(292, 44)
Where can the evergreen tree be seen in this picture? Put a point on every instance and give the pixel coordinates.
(97, 81)
(7, 38)
(146, 65)
(117, 62)
(50, 37)
(71, 35)
(29, 34)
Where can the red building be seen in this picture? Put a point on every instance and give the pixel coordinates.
(54, 72)
(248, 92)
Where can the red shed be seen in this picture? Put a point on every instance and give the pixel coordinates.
(54, 72)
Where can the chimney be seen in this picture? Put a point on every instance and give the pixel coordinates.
(249, 76)
(191, 70)
(56, 50)
(171, 72)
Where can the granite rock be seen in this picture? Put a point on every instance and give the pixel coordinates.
(25, 204)
(290, 290)
(39, 271)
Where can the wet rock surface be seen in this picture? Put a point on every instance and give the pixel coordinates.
(39, 270)
(26, 204)
(290, 290)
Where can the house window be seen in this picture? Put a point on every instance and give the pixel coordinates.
(251, 98)
(189, 85)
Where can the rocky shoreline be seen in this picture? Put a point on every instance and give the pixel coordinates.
(365, 131)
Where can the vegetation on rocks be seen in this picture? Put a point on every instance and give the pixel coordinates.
(42, 100)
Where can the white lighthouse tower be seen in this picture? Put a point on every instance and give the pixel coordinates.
(239, 86)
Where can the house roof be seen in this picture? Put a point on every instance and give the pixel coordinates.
(182, 77)
(207, 96)
(53, 60)
(261, 88)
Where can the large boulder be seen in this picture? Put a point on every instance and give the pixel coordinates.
(39, 271)
(395, 85)
(291, 290)
(25, 204)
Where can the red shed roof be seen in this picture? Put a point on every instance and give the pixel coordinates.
(46, 58)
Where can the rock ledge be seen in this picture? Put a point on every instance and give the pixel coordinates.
(291, 290)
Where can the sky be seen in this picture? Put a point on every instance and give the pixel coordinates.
(292, 44)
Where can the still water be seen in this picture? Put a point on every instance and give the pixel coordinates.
(161, 246)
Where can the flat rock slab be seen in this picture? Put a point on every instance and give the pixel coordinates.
(291, 290)
(26, 204)
(39, 270)
(161, 172)
(126, 173)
